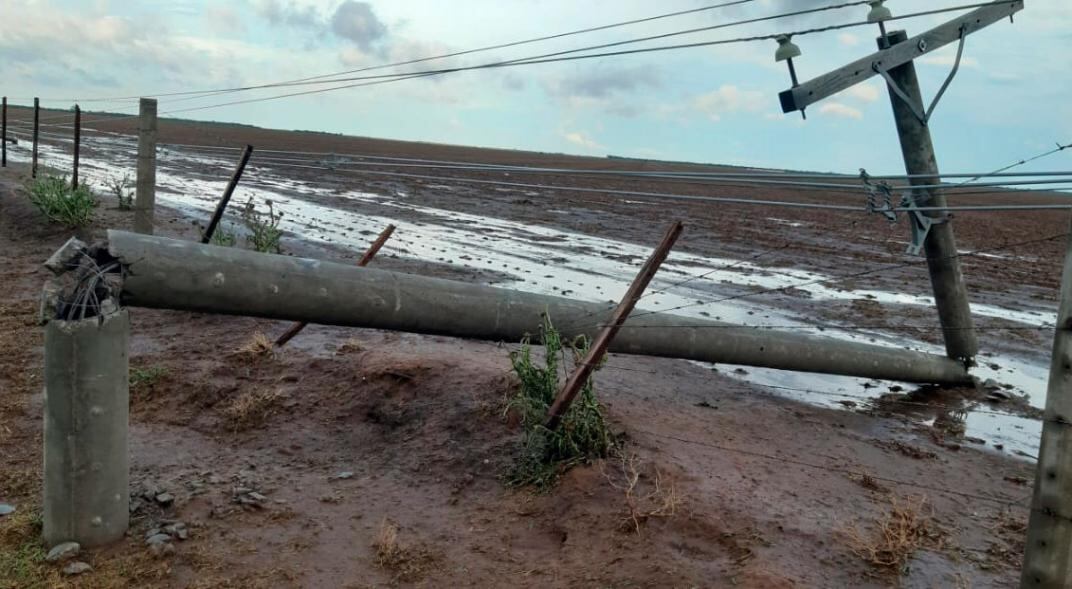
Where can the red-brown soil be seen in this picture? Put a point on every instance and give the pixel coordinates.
(771, 493)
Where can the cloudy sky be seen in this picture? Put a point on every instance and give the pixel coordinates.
(714, 104)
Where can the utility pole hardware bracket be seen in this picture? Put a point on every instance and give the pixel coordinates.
(827, 85)
(920, 223)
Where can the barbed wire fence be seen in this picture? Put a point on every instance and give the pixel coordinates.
(838, 190)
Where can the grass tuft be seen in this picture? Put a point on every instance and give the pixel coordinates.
(22, 556)
(54, 197)
(906, 528)
(252, 409)
(407, 564)
(258, 346)
(146, 377)
(583, 434)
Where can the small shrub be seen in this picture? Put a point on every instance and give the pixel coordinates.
(582, 435)
(264, 231)
(60, 203)
(123, 191)
(224, 237)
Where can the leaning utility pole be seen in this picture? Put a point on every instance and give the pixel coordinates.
(931, 229)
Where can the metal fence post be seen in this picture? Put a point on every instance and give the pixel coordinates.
(227, 193)
(37, 111)
(77, 144)
(3, 136)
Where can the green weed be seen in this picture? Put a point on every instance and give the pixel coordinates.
(264, 231)
(60, 203)
(583, 434)
(145, 377)
(224, 237)
(122, 190)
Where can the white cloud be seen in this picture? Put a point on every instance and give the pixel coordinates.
(865, 92)
(727, 99)
(613, 90)
(949, 60)
(838, 109)
(582, 139)
(357, 22)
(848, 39)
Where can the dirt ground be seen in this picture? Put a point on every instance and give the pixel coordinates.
(379, 455)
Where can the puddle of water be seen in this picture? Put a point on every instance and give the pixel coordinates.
(560, 262)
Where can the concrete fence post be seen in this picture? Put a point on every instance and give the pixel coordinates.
(86, 486)
(1048, 548)
(145, 188)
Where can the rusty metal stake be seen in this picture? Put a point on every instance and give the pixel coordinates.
(37, 120)
(77, 144)
(602, 342)
(3, 136)
(226, 198)
(365, 259)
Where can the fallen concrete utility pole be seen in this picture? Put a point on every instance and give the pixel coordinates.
(171, 274)
(364, 261)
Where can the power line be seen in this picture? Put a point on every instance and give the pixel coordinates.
(562, 56)
(851, 275)
(663, 195)
(1022, 162)
(433, 57)
(313, 156)
(705, 176)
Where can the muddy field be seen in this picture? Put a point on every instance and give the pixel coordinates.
(353, 437)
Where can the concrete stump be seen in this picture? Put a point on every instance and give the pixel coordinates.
(86, 487)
